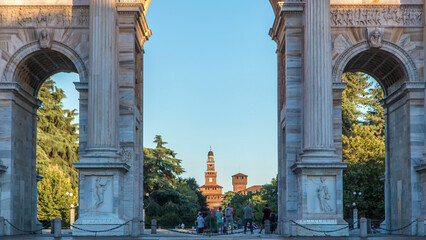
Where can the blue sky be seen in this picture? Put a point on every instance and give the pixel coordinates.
(210, 80)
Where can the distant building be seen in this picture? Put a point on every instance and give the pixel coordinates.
(211, 189)
(239, 182)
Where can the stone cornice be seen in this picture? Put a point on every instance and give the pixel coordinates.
(298, 166)
(143, 32)
(293, 7)
(100, 166)
(403, 90)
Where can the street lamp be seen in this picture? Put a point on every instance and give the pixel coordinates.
(355, 210)
(72, 210)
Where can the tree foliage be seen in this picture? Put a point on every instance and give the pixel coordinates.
(57, 149)
(57, 137)
(52, 199)
(169, 199)
(267, 195)
(363, 146)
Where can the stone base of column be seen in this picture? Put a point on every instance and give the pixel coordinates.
(318, 225)
(103, 223)
(319, 155)
(320, 188)
(101, 199)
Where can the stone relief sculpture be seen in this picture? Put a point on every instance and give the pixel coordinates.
(323, 195)
(377, 16)
(125, 155)
(375, 37)
(100, 188)
(44, 39)
(36, 16)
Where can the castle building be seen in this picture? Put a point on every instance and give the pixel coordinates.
(211, 189)
(239, 182)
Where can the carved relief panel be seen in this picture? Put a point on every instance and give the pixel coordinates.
(321, 194)
(376, 15)
(101, 190)
(44, 16)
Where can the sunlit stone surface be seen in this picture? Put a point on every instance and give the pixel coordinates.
(317, 42)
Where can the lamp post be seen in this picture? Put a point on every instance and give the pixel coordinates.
(72, 209)
(355, 210)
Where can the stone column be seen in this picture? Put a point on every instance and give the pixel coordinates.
(318, 98)
(101, 170)
(103, 87)
(319, 169)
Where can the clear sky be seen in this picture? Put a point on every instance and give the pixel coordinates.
(210, 80)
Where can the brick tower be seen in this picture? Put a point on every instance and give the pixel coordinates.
(211, 189)
(239, 182)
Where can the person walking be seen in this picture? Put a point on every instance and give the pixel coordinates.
(200, 223)
(266, 214)
(229, 214)
(248, 218)
(219, 221)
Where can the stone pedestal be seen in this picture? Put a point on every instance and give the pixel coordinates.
(102, 207)
(321, 194)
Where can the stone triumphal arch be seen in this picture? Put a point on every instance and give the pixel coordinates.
(317, 42)
(102, 41)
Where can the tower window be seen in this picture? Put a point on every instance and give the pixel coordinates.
(211, 166)
(210, 179)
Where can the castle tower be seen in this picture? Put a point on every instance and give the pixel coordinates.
(239, 182)
(211, 189)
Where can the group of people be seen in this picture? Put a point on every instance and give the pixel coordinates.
(225, 220)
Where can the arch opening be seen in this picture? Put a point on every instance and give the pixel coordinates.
(391, 69)
(43, 139)
(381, 65)
(35, 68)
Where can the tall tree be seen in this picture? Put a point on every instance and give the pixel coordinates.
(161, 167)
(52, 199)
(57, 136)
(57, 149)
(363, 146)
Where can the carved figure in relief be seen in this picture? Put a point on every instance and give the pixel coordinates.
(393, 16)
(375, 38)
(100, 188)
(323, 196)
(44, 39)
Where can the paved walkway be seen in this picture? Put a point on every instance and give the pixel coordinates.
(165, 234)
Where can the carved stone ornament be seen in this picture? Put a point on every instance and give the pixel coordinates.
(44, 39)
(340, 44)
(44, 16)
(125, 155)
(375, 37)
(379, 15)
(100, 187)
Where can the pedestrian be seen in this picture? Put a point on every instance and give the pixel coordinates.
(248, 218)
(200, 223)
(266, 214)
(182, 225)
(219, 221)
(225, 226)
(240, 223)
(229, 214)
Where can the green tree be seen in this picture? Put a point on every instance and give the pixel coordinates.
(52, 200)
(171, 200)
(363, 146)
(57, 137)
(57, 149)
(161, 167)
